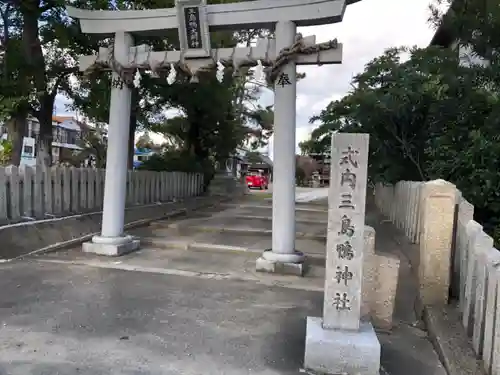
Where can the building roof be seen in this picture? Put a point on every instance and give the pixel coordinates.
(264, 161)
(62, 119)
(142, 151)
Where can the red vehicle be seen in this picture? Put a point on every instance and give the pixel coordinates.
(257, 179)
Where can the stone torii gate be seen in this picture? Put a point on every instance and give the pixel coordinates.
(194, 19)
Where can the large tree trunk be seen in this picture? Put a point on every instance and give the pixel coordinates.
(132, 128)
(195, 147)
(16, 130)
(44, 152)
(30, 10)
(131, 142)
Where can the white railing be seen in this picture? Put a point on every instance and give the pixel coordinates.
(455, 252)
(34, 193)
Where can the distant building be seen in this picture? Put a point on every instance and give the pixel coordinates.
(66, 135)
(323, 165)
(255, 161)
(141, 155)
(29, 143)
(309, 166)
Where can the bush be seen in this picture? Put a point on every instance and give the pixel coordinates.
(5, 151)
(300, 176)
(179, 161)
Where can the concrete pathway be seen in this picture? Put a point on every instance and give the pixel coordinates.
(188, 303)
(310, 194)
(302, 194)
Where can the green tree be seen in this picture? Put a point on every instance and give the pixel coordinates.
(300, 176)
(5, 152)
(390, 100)
(14, 84)
(474, 24)
(145, 141)
(428, 117)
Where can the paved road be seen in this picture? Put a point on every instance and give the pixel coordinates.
(62, 319)
(174, 311)
(302, 194)
(310, 194)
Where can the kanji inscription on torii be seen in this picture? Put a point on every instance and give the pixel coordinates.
(193, 28)
(192, 20)
(346, 221)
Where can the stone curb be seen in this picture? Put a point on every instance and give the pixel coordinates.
(451, 342)
(37, 237)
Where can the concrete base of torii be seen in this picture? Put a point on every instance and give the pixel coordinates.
(271, 263)
(111, 246)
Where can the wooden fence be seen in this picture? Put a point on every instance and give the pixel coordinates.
(34, 193)
(472, 262)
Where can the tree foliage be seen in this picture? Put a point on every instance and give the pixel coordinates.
(5, 152)
(431, 113)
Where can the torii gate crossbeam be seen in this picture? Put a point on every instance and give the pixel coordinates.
(246, 14)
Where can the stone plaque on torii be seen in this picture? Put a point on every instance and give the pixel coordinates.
(194, 19)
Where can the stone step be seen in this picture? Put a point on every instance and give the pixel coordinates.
(162, 231)
(248, 225)
(315, 263)
(302, 207)
(231, 242)
(269, 218)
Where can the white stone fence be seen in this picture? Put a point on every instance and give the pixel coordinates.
(34, 193)
(453, 250)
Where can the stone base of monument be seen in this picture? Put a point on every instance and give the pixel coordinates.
(114, 246)
(283, 264)
(335, 352)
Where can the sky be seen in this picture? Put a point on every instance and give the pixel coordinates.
(369, 27)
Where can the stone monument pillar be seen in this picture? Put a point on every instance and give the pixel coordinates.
(112, 241)
(340, 342)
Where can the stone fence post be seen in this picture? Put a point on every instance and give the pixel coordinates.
(437, 202)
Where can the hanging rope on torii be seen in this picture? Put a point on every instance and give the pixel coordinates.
(266, 67)
(298, 48)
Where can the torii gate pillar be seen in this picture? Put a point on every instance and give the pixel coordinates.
(283, 254)
(112, 241)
